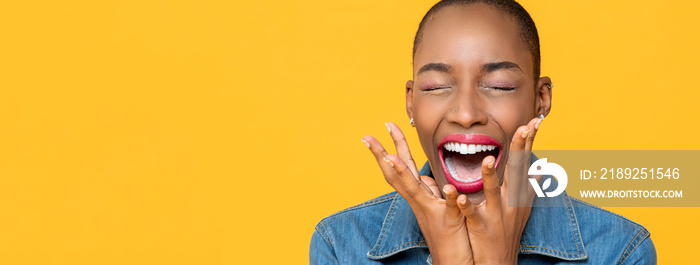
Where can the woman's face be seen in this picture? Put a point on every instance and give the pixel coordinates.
(472, 85)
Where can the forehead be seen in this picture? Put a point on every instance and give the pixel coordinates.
(472, 34)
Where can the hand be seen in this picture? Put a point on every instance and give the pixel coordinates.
(494, 227)
(491, 232)
(440, 220)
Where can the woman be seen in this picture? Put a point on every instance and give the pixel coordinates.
(476, 101)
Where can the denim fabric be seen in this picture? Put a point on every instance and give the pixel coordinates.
(385, 231)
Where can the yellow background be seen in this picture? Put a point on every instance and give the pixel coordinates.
(221, 132)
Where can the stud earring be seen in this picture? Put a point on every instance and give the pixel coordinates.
(413, 123)
(549, 86)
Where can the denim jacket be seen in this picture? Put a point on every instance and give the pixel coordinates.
(384, 230)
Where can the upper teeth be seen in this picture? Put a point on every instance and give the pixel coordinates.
(468, 148)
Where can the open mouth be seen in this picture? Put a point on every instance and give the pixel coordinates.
(461, 156)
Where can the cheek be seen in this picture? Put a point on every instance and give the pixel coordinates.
(513, 114)
(428, 114)
(425, 127)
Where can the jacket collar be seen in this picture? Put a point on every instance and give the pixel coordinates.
(552, 229)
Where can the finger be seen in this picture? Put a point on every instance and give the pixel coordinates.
(452, 212)
(515, 188)
(379, 153)
(402, 146)
(521, 134)
(432, 185)
(492, 187)
(529, 141)
(519, 156)
(468, 209)
(410, 185)
(392, 175)
(533, 131)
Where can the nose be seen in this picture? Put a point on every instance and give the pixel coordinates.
(468, 109)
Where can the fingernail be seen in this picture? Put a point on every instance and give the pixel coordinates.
(537, 124)
(463, 202)
(389, 161)
(490, 165)
(366, 143)
(525, 133)
(387, 127)
(445, 191)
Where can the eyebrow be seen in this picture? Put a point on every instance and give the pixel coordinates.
(440, 67)
(490, 67)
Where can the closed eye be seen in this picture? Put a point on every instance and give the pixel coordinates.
(433, 88)
(504, 88)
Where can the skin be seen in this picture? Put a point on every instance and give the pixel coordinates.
(466, 95)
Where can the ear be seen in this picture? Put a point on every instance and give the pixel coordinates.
(409, 99)
(543, 96)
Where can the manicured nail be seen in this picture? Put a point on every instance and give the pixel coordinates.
(389, 161)
(387, 127)
(445, 191)
(537, 124)
(490, 165)
(366, 143)
(525, 133)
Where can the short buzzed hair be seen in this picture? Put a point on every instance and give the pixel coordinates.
(528, 31)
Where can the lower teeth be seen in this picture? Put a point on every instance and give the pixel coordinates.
(453, 172)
